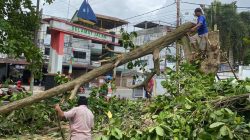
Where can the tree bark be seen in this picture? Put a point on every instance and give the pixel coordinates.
(137, 53)
(145, 82)
(156, 59)
(32, 82)
(231, 56)
(227, 101)
(212, 60)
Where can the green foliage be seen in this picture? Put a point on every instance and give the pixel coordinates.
(127, 41)
(227, 18)
(32, 119)
(246, 44)
(36, 117)
(188, 114)
(29, 119)
(61, 79)
(18, 23)
(184, 115)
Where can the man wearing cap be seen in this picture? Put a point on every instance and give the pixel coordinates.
(202, 31)
(81, 120)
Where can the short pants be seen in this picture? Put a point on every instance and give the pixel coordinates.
(201, 40)
(109, 95)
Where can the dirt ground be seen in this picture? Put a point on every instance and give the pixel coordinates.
(35, 137)
(51, 134)
(55, 136)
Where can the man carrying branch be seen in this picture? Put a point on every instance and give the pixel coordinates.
(81, 120)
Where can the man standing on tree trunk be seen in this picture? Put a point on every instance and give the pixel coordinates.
(81, 120)
(201, 27)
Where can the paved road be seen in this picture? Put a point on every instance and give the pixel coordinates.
(120, 92)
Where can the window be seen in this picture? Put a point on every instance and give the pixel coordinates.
(80, 55)
(46, 51)
(47, 30)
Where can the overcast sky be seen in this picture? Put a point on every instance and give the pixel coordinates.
(127, 8)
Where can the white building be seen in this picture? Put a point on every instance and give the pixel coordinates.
(151, 31)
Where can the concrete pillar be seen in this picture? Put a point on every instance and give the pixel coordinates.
(56, 52)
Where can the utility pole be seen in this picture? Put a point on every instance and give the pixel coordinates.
(38, 15)
(68, 10)
(37, 6)
(177, 45)
(36, 44)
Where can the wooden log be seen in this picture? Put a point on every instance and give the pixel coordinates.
(136, 53)
(156, 59)
(211, 63)
(145, 82)
(227, 101)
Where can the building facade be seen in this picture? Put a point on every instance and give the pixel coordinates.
(150, 31)
(80, 53)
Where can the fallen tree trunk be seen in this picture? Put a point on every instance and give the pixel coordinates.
(123, 59)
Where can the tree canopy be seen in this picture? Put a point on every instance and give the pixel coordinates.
(233, 28)
(18, 23)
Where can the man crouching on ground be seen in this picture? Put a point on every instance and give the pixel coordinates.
(81, 120)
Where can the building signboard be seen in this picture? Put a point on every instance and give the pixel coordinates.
(83, 32)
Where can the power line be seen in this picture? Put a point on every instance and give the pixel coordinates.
(239, 7)
(193, 3)
(150, 11)
(243, 7)
(162, 15)
(149, 16)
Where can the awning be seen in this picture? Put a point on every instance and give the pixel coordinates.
(13, 61)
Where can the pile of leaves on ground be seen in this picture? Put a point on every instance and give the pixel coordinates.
(36, 118)
(188, 111)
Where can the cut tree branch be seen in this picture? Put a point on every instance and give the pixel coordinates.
(156, 58)
(145, 82)
(74, 91)
(103, 56)
(116, 64)
(135, 54)
(110, 50)
(229, 100)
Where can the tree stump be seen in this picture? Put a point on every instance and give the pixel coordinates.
(209, 63)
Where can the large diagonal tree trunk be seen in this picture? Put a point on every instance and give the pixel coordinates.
(124, 58)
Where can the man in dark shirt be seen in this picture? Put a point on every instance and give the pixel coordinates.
(201, 27)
